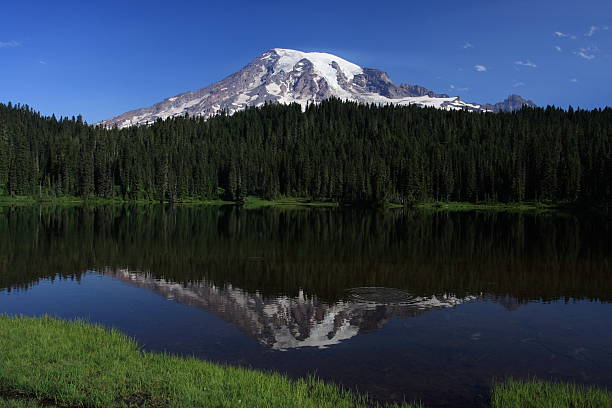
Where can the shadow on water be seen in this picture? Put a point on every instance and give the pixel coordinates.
(400, 304)
(323, 252)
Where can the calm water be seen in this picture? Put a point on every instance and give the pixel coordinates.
(401, 305)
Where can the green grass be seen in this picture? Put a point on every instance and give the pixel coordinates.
(54, 363)
(6, 403)
(77, 364)
(78, 201)
(539, 394)
(253, 202)
(25, 403)
(463, 206)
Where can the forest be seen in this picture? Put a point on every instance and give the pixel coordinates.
(333, 151)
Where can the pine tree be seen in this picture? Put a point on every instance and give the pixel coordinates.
(5, 158)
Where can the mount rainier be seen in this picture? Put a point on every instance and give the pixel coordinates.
(289, 76)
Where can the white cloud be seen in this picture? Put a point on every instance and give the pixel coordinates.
(573, 80)
(518, 84)
(454, 88)
(593, 29)
(564, 35)
(467, 45)
(41, 62)
(558, 48)
(525, 64)
(584, 55)
(9, 44)
(480, 68)
(587, 53)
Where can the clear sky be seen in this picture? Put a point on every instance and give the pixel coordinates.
(102, 58)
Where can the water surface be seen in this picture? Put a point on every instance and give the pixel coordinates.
(399, 304)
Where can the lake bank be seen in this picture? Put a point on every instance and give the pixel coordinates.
(253, 202)
(50, 362)
(68, 364)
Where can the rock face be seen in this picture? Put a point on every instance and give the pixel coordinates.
(285, 322)
(511, 103)
(288, 76)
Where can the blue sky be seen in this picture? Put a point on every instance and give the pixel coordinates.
(103, 58)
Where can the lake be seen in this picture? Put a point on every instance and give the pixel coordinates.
(415, 305)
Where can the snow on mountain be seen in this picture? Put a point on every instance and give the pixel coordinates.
(323, 64)
(290, 76)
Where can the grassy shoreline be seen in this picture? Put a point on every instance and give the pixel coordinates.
(464, 206)
(78, 201)
(50, 362)
(253, 202)
(250, 202)
(70, 364)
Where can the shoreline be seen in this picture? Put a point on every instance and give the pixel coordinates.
(98, 367)
(253, 202)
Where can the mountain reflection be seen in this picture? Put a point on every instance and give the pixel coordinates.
(285, 322)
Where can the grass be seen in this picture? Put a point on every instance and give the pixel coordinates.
(71, 201)
(5, 403)
(54, 363)
(18, 403)
(253, 202)
(464, 206)
(539, 394)
(72, 364)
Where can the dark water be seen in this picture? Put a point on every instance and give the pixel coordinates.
(401, 305)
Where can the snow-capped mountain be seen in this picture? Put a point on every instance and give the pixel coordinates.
(287, 76)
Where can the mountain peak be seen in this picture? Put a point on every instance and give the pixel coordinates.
(511, 103)
(321, 60)
(283, 75)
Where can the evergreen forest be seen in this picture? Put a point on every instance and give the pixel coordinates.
(337, 151)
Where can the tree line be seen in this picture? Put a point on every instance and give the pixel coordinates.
(340, 151)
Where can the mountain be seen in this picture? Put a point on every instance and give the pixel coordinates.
(511, 103)
(287, 76)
